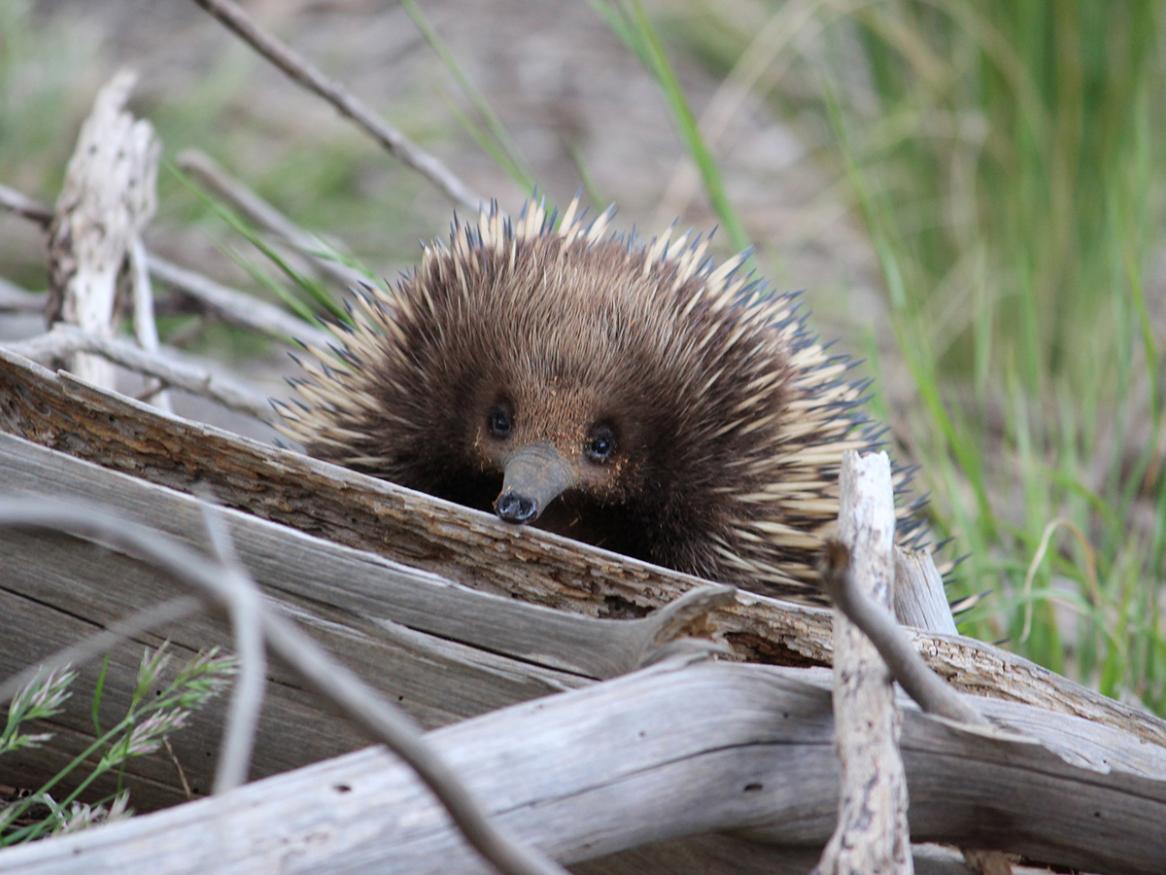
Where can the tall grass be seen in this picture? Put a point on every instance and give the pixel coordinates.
(1004, 160)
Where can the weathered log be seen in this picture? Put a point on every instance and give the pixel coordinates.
(671, 751)
(367, 645)
(462, 653)
(469, 547)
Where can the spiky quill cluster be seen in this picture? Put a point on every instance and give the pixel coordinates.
(648, 400)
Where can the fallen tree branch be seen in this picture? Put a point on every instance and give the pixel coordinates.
(64, 340)
(348, 105)
(225, 588)
(1082, 744)
(105, 202)
(671, 751)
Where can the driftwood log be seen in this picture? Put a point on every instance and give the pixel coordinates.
(670, 751)
(463, 546)
(753, 744)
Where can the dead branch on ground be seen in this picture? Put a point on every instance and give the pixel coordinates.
(173, 370)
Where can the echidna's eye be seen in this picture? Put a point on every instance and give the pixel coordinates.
(499, 421)
(600, 444)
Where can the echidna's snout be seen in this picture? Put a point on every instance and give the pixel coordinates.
(534, 476)
(516, 508)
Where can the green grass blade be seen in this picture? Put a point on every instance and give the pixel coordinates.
(631, 24)
(503, 149)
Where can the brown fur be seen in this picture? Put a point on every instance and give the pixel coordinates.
(730, 420)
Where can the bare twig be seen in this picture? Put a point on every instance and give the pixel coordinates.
(906, 666)
(262, 214)
(64, 340)
(145, 328)
(236, 307)
(301, 71)
(247, 626)
(27, 208)
(320, 671)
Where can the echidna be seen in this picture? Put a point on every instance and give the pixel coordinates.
(630, 394)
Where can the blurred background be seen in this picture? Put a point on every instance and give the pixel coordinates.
(972, 194)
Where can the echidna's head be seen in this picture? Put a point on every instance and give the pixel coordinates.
(634, 396)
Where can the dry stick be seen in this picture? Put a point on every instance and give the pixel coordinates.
(64, 340)
(27, 208)
(872, 833)
(320, 671)
(234, 306)
(906, 666)
(262, 214)
(246, 625)
(301, 71)
(145, 328)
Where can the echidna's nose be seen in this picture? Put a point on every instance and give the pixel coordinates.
(535, 475)
(515, 508)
